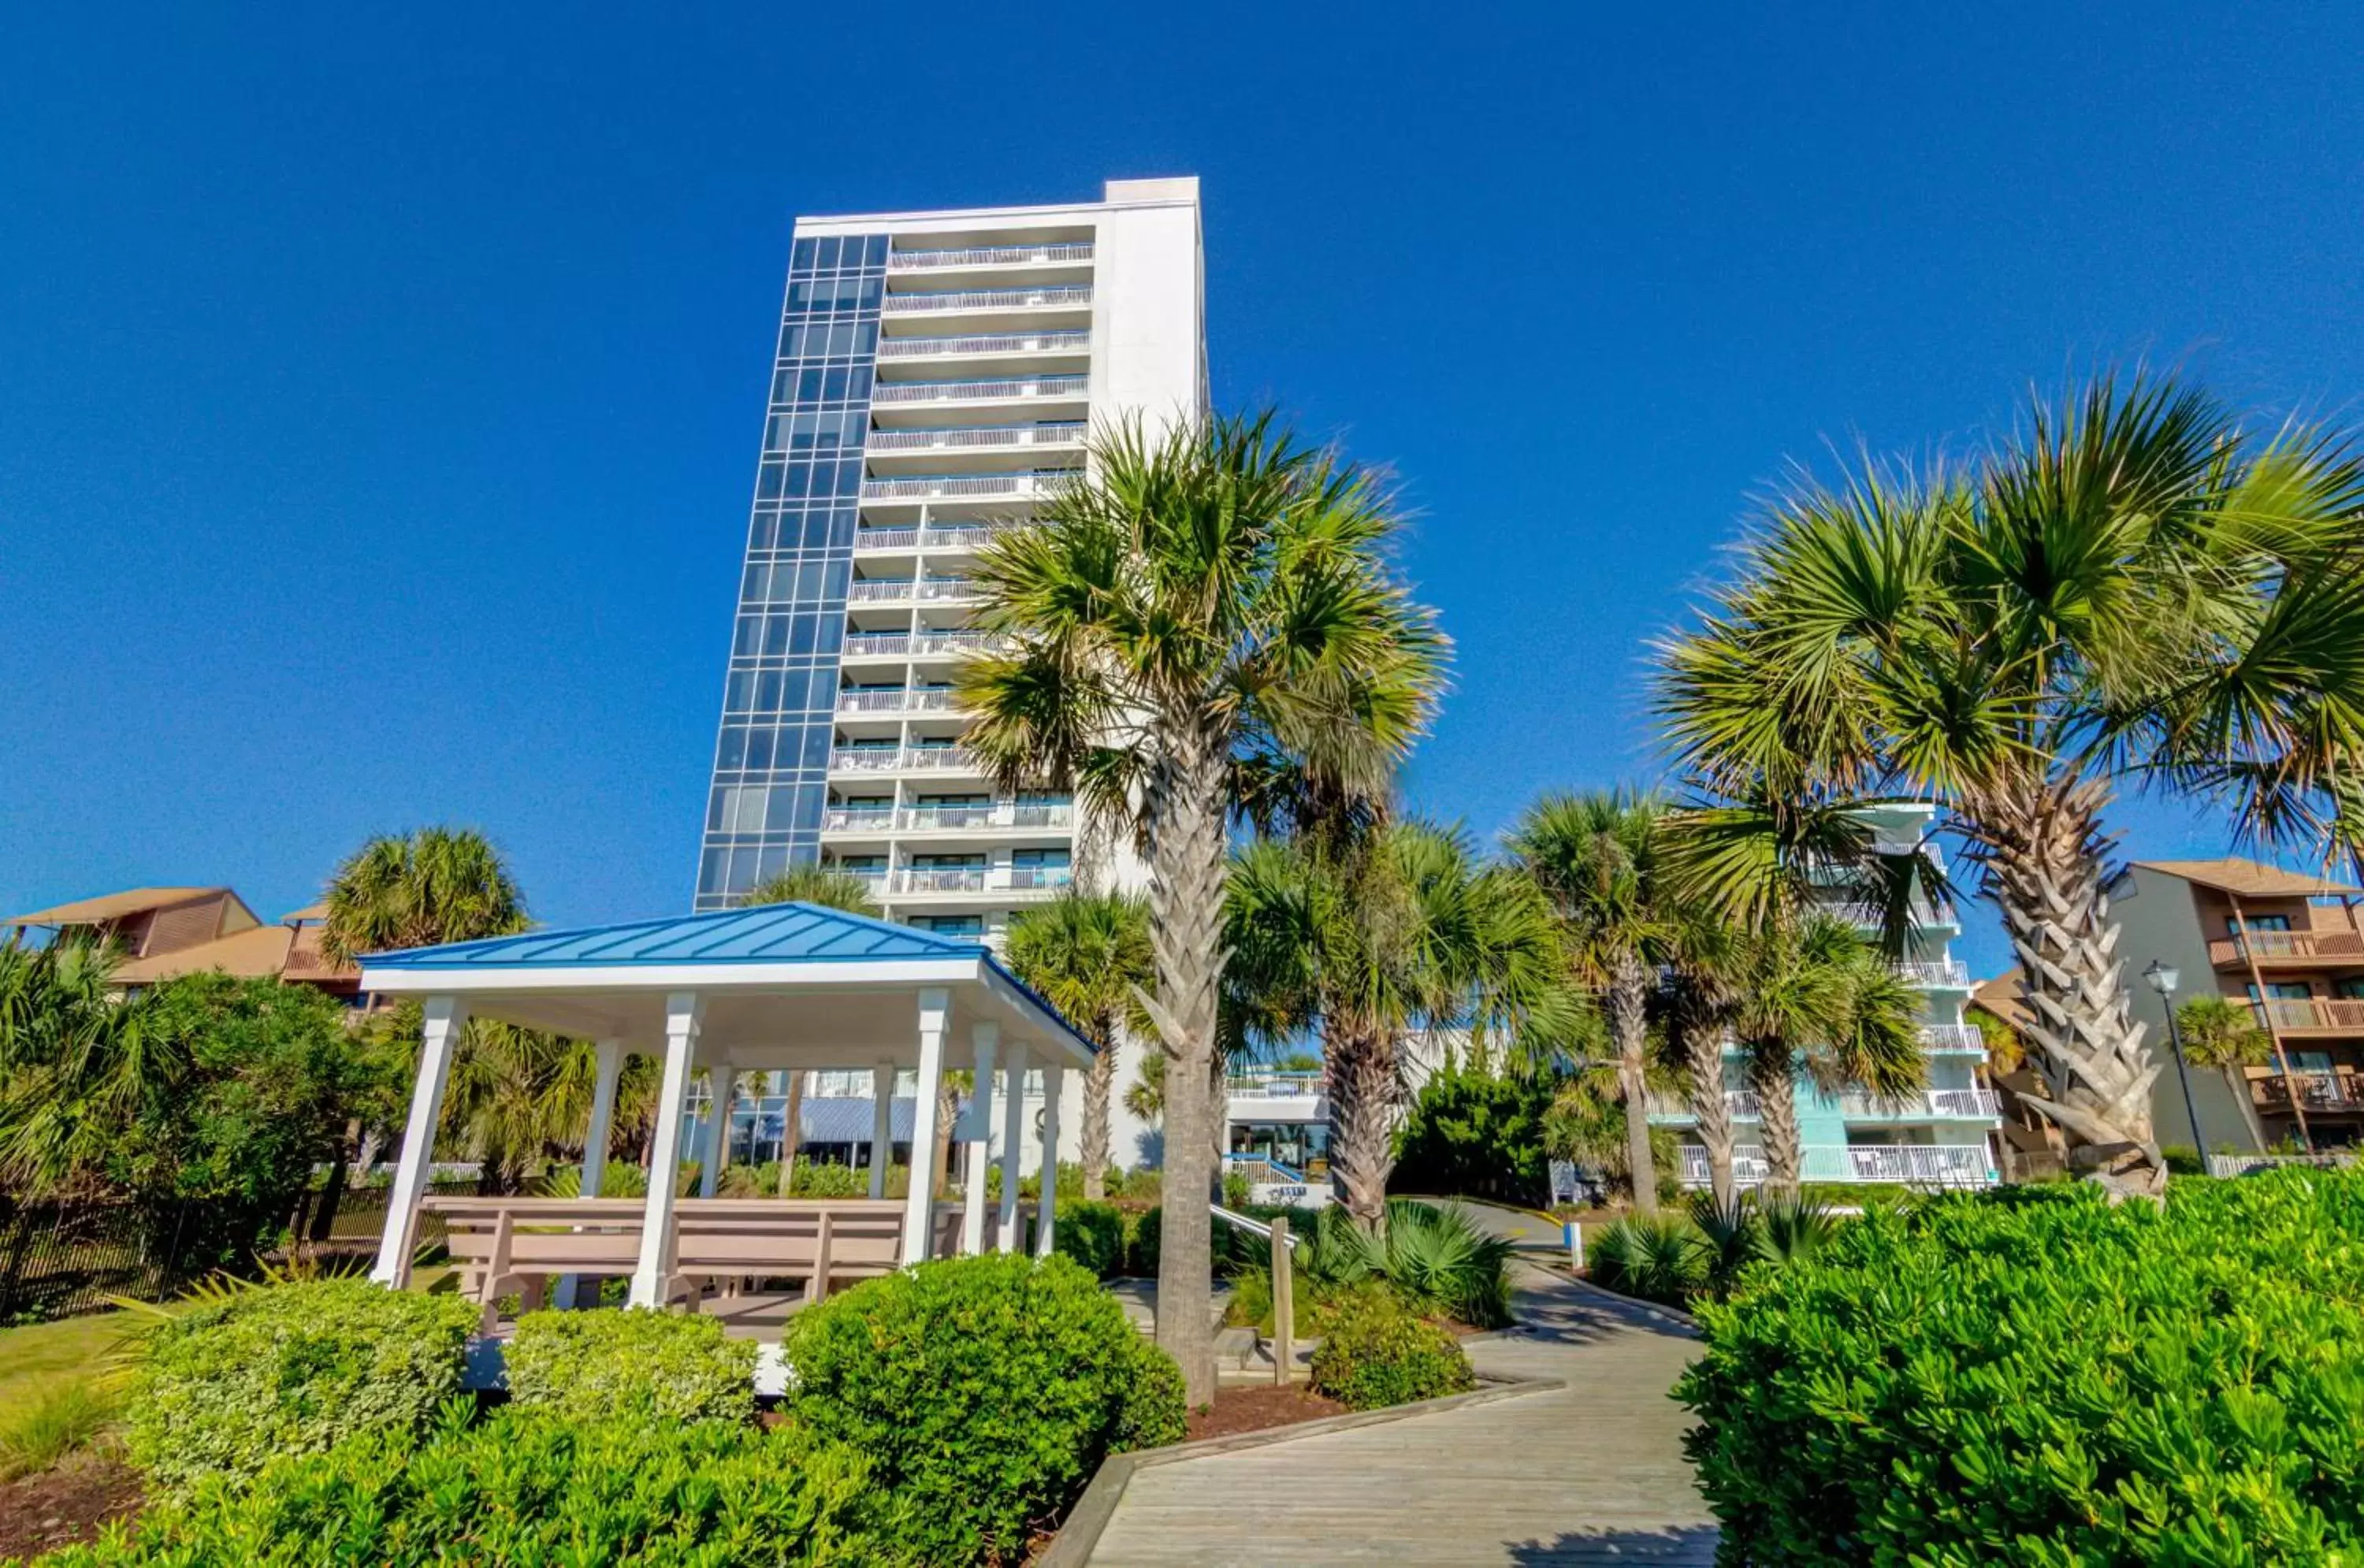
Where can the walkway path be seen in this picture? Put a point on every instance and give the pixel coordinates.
(1593, 1474)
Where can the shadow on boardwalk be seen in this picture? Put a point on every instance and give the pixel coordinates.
(1589, 1473)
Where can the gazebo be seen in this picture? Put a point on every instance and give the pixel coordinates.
(792, 987)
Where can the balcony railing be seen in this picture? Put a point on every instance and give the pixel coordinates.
(936, 589)
(1060, 433)
(987, 299)
(980, 390)
(1917, 1165)
(964, 879)
(977, 879)
(963, 485)
(1273, 1086)
(986, 343)
(1936, 972)
(895, 702)
(865, 759)
(928, 642)
(2333, 1091)
(1003, 817)
(878, 643)
(944, 818)
(940, 759)
(880, 591)
(1042, 876)
(844, 819)
(2289, 947)
(2315, 1015)
(1740, 1103)
(985, 256)
(884, 539)
(1952, 1037)
(1978, 1104)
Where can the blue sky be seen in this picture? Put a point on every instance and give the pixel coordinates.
(382, 383)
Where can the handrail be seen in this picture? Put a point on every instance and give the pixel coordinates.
(1253, 1227)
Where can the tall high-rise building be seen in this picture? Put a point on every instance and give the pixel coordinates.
(937, 374)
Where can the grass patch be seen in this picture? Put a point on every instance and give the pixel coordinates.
(66, 1415)
(40, 1357)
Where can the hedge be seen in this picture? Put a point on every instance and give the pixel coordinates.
(529, 1489)
(613, 1363)
(1376, 1352)
(1092, 1233)
(2033, 1377)
(983, 1391)
(226, 1385)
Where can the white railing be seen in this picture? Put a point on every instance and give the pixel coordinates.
(838, 819)
(1060, 433)
(878, 643)
(957, 642)
(1976, 1103)
(984, 343)
(985, 256)
(1935, 972)
(1042, 817)
(2223, 1166)
(979, 391)
(1917, 1165)
(950, 588)
(880, 591)
(1042, 876)
(884, 539)
(963, 880)
(937, 818)
(987, 299)
(1273, 1086)
(1741, 1103)
(871, 702)
(865, 759)
(939, 758)
(945, 486)
(1952, 1036)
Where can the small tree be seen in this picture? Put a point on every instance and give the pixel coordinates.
(2219, 1033)
(1090, 956)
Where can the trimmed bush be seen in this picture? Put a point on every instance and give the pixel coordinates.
(1093, 1234)
(983, 1391)
(226, 1385)
(1376, 1352)
(2034, 1377)
(527, 1489)
(651, 1366)
(1140, 1248)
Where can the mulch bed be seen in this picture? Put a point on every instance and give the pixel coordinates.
(1254, 1408)
(67, 1505)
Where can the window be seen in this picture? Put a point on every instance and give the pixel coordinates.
(1041, 858)
(950, 925)
(2283, 991)
(2257, 923)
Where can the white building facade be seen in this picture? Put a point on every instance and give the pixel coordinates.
(937, 376)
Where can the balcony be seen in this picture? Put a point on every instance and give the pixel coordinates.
(895, 702)
(968, 487)
(1914, 1164)
(922, 881)
(2339, 1091)
(1066, 387)
(1936, 1104)
(880, 591)
(951, 589)
(940, 760)
(872, 644)
(990, 437)
(1054, 297)
(2311, 1014)
(984, 345)
(1739, 1104)
(865, 760)
(2270, 949)
(937, 642)
(985, 256)
(935, 535)
(1949, 973)
(925, 644)
(1954, 1038)
(870, 820)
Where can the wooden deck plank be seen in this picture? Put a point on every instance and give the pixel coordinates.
(1593, 1474)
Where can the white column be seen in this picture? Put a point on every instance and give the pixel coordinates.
(608, 1059)
(882, 1130)
(1013, 1144)
(920, 1203)
(444, 1018)
(976, 1132)
(684, 1009)
(1053, 1075)
(720, 1081)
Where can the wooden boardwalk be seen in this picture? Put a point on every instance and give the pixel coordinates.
(1593, 1474)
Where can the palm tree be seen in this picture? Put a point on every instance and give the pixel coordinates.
(1212, 598)
(1400, 929)
(2219, 1033)
(436, 885)
(2009, 640)
(1090, 958)
(1598, 860)
(812, 882)
(77, 1064)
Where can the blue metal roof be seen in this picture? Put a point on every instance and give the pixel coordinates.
(771, 933)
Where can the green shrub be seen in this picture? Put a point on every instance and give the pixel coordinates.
(1140, 1247)
(621, 1178)
(1656, 1257)
(227, 1384)
(1092, 1234)
(985, 1391)
(55, 1421)
(1376, 1352)
(527, 1489)
(2031, 1376)
(1436, 1259)
(815, 1178)
(608, 1364)
(1473, 1134)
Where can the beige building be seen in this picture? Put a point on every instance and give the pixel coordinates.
(169, 932)
(2286, 944)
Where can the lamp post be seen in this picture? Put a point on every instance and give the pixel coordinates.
(2162, 978)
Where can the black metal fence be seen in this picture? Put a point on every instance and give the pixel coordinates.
(60, 1259)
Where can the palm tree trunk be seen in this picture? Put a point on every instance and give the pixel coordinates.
(792, 1132)
(1629, 1028)
(1771, 1074)
(2042, 847)
(1186, 857)
(2238, 1081)
(1711, 1115)
(1362, 1104)
(1099, 1081)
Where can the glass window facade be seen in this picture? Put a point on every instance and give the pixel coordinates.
(770, 756)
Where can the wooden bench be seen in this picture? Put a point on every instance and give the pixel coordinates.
(507, 1245)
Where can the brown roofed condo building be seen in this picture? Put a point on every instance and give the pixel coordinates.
(2291, 947)
(168, 931)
